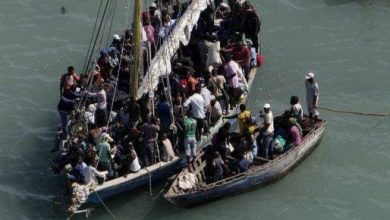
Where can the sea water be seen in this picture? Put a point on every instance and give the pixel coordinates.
(344, 42)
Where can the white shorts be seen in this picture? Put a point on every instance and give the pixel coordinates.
(190, 146)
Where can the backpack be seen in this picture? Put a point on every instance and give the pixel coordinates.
(259, 59)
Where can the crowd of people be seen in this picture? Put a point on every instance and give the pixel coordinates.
(109, 135)
(234, 152)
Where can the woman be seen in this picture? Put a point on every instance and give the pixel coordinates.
(296, 110)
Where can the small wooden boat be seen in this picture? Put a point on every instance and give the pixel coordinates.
(260, 173)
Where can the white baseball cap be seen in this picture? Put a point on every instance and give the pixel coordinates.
(106, 137)
(266, 105)
(153, 5)
(223, 5)
(116, 37)
(309, 75)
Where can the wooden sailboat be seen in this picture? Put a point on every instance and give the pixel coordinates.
(160, 66)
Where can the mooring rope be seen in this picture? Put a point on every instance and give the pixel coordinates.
(150, 187)
(333, 109)
(105, 206)
(354, 112)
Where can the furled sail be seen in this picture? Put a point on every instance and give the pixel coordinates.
(181, 33)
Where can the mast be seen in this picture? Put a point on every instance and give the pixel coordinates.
(137, 38)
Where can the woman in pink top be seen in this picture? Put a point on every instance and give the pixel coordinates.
(295, 132)
(150, 31)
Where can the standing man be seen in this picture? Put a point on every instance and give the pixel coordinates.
(190, 143)
(68, 79)
(233, 71)
(65, 106)
(312, 95)
(150, 130)
(268, 132)
(101, 111)
(197, 103)
(243, 117)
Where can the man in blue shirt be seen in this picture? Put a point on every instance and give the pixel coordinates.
(164, 114)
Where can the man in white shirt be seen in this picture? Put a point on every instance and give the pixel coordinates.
(90, 174)
(206, 94)
(166, 27)
(312, 94)
(197, 103)
(233, 73)
(216, 111)
(100, 113)
(268, 132)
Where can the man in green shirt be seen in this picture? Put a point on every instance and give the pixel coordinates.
(190, 143)
(104, 152)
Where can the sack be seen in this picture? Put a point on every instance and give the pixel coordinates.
(259, 59)
(279, 144)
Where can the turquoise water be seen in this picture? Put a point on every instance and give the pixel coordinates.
(344, 42)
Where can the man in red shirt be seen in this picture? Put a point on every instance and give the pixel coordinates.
(241, 54)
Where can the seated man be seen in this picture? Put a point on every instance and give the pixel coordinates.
(218, 166)
(81, 169)
(134, 165)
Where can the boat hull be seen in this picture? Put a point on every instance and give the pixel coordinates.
(136, 181)
(252, 179)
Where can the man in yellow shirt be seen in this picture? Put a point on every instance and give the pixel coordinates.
(243, 117)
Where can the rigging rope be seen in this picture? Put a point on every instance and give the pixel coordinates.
(112, 21)
(89, 53)
(109, 16)
(98, 31)
(120, 63)
(90, 57)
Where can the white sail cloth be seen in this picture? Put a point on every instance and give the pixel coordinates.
(181, 33)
